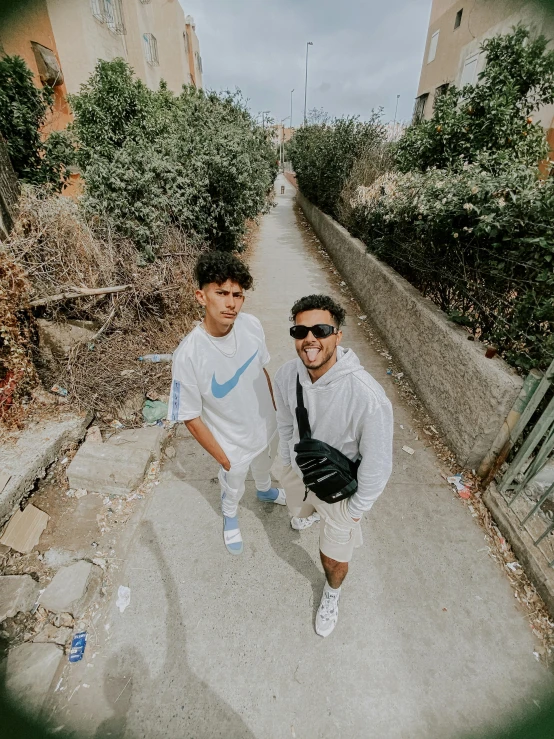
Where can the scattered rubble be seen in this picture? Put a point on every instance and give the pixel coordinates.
(50, 634)
(94, 435)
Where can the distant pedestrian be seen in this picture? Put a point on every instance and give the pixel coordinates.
(222, 391)
(335, 429)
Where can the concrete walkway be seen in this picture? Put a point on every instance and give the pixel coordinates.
(430, 642)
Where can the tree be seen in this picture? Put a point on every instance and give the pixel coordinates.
(197, 161)
(23, 112)
(492, 120)
(323, 155)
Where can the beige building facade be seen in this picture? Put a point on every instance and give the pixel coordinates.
(457, 29)
(154, 36)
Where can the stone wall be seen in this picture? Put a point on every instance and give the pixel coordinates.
(467, 394)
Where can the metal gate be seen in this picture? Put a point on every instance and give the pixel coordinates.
(533, 510)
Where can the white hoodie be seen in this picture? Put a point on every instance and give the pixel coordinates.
(347, 409)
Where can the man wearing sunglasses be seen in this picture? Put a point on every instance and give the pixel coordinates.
(348, 410)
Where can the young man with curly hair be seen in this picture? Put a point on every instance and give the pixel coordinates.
(348, 410)
(222, 391)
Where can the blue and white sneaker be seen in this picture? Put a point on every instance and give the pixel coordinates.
(273, 495)
(231, 535)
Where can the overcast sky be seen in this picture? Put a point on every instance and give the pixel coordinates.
(365, 52)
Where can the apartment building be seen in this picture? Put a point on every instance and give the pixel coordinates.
(62, 40)
(457, 29)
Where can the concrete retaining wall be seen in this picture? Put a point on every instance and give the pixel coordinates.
(468, 394)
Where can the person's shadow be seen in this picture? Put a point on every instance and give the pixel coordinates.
(283, 539)
(175, 703)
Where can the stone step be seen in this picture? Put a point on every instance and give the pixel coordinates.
(149, 437)
(109, 468)
(27, 460)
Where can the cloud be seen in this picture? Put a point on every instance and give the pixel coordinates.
(363, 53)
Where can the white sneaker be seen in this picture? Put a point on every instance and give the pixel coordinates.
(299, 524)
(327, 614)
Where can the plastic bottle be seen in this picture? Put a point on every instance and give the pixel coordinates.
(156, 358)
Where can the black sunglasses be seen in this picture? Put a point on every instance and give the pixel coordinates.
(319, 331)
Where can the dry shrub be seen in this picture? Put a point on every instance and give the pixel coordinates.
(17, 372)
(59, 251)
(373, 162)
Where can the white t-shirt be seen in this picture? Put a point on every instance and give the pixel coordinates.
(222, 380)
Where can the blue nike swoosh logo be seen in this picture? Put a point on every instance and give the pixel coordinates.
(220, 391)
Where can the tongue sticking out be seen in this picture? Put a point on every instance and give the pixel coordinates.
(312, 354)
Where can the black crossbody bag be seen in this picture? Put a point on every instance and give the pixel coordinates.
(325, 471)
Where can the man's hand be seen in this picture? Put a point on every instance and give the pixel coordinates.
(206, 439)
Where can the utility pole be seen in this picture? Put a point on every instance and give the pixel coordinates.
(308, 43)
(396, 109)
(290, 121)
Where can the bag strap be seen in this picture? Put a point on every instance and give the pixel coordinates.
(301, 413)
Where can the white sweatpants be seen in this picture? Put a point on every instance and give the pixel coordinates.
(232, 482)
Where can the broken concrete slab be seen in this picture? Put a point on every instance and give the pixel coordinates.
(30, 670)
(109, 468)
(29, 457)
(58, 338)
(24, 529)
(149, 437)
(17, 593)
(67, 588)
(50, 634)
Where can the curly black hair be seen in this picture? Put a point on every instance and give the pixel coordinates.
(319, 302)
(220, 266)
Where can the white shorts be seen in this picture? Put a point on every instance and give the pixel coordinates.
(339, 534)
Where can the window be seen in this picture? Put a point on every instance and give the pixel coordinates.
(441, 89)
(113, 15)
(186, 40)
(97, 7)
(419, 108)
(469, 72)
(150, 49)
(458, 18)
(433, 47)
(199, 62)
(49, 69)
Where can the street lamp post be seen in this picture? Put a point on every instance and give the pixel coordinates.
(283, 143)
(290, 121)
(396, 109)
(308, 43)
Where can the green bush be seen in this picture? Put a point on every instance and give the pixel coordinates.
(494, 116)
(197, 160)
(24, 109)
(462, 211)
(479, 244)
(323, 155)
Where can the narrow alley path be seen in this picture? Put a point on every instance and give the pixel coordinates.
(429, 643)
